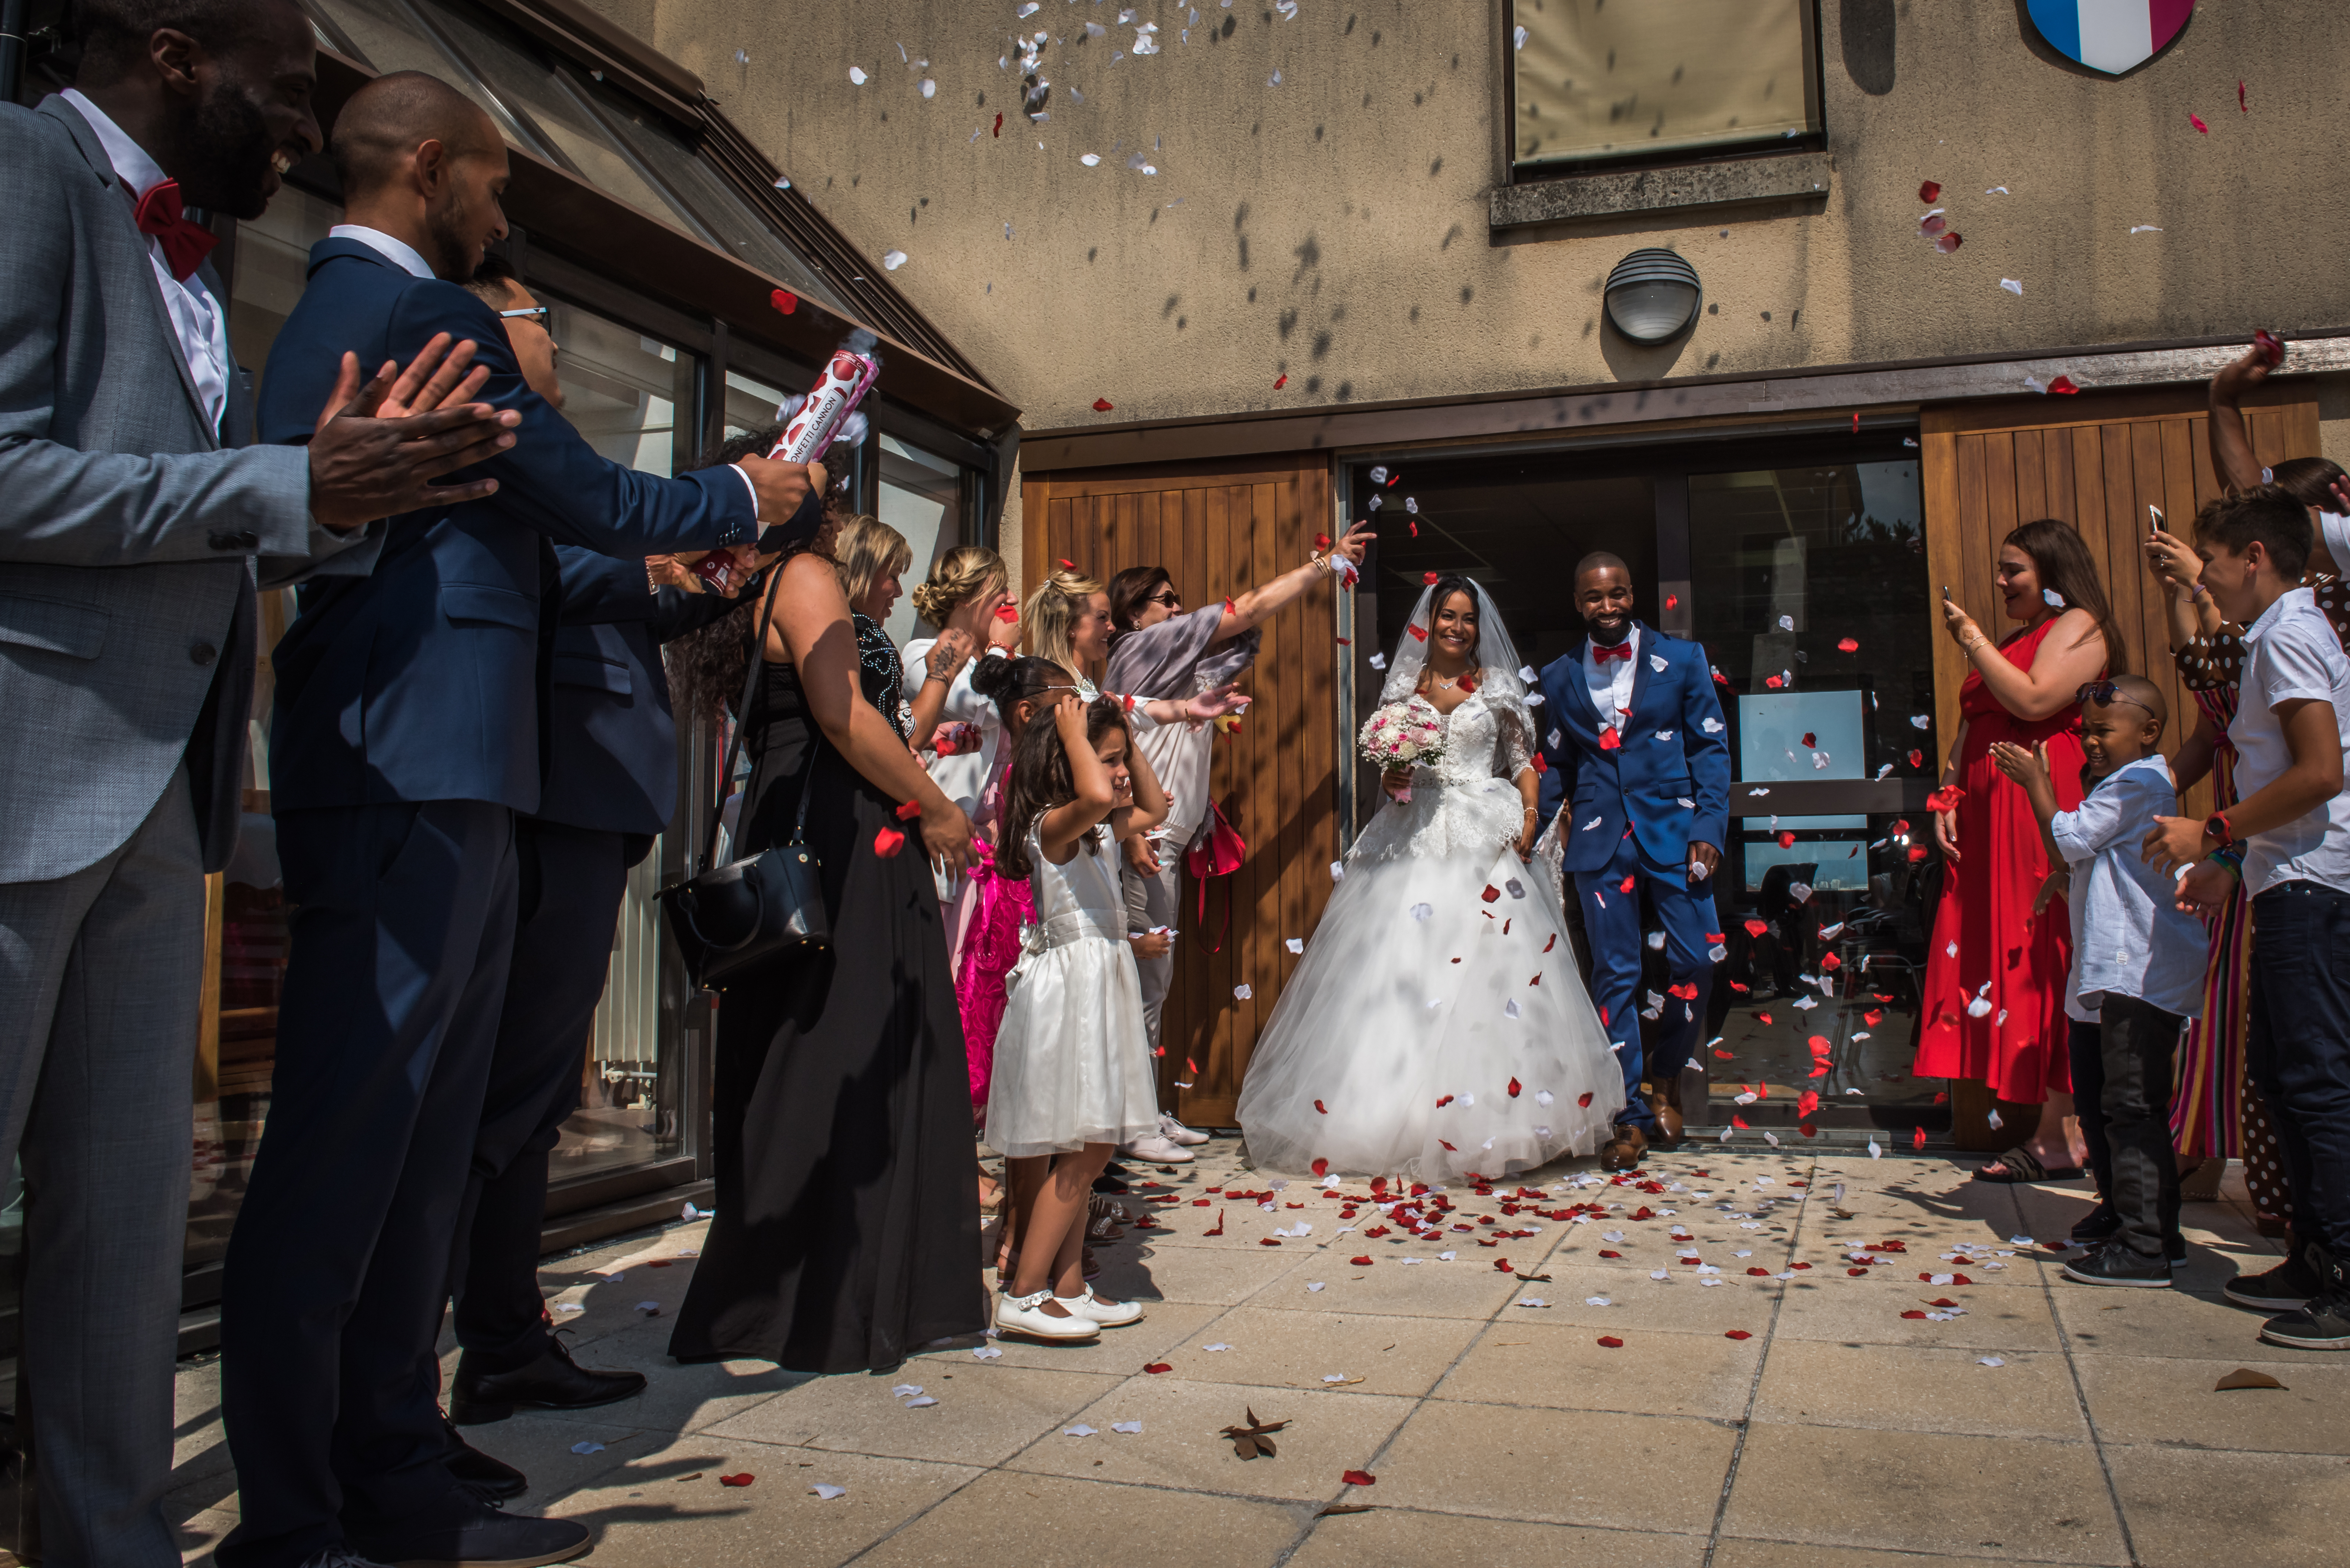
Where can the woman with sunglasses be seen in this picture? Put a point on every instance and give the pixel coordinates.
(1995, 969)
(1160, 649)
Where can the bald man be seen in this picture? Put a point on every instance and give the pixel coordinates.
(1640, 756)
(410, 730)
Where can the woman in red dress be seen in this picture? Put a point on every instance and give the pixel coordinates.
(1995, 970)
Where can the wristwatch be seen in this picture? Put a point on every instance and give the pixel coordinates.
(2216, 825)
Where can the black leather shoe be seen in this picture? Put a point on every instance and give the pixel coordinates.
(493, 1478)
(553, 1382)
(473, 1534)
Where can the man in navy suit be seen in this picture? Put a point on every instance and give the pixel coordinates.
(410, 730)
(611, 786)
(1639, 757)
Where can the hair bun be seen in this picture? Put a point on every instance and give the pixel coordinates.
(995, 679)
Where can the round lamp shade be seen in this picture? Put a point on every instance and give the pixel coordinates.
(1652, 294)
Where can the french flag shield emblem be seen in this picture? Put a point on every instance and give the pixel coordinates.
(2110, 36)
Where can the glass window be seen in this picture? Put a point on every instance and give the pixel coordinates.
(922, 497)
(1596, 79)
(1788, 565)
(751, 405)
(630, 395)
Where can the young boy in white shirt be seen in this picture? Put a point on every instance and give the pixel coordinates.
(2138, 974)
(2288, 839)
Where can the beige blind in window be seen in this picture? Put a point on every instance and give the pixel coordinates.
(1609, 78)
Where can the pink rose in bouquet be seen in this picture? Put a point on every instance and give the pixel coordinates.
(1401, 736)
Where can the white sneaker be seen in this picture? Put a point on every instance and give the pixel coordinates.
(1109, 1314)
(1021, 1314)
(1156, 1151)
(1176, 1132)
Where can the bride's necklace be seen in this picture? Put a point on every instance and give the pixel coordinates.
(1448, 685)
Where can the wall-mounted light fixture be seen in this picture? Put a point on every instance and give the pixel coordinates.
(1652, 294)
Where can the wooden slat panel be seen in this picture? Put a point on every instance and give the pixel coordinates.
(2088, 474)
(1945, 536)
(2031, 475)
(2063, 500)
(1976, 585)
(1999, 483)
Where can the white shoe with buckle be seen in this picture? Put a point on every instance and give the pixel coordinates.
(1109, 1314)
(1156, 1151)
(1174, 1131)
(1025, 1314)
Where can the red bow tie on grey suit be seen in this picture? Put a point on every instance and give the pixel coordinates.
(185, 242)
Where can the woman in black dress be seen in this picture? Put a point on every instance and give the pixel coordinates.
(846, 1238)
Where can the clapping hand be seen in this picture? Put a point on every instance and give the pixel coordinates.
(2019, 765)
(376, 449)
(2058, 884)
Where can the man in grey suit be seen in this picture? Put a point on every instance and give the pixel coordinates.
(133, 512)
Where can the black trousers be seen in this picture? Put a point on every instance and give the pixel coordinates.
(2122, 1068)
(332, 1290)
(572, 881)
(2297, 1049)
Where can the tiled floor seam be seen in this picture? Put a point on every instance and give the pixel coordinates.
(2049, 1278)
(1754, 1384)
(1420, 1401)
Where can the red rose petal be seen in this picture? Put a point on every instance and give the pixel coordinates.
(1321, 1167)
(1157, 1367)
(910, 810)
(1323, 1109)
(1008, 613)
(1605, 1253)
(1490, 895)
(1584, 1100)
(1609, 1342)
(1631, 880)
(1103, 405)
(1810, 739)
(745, 1479)
(784, 300)
(2196, 122)
(2063, 386)
(1930, 191)
(1736, 1334)
(1360, 1478)
(1760, 1273)
(999, 124)
(1918, 1141)
(1428, 578)
(1281, 380)
(1950, 242)
(1757, 928)
(1848, 645)
(1515, 1088)
(1418, 633)
(1609, 740)
(1786, 839)
(1360, 1262)
(888, 842)
(1913, 1312)
(1917, 759)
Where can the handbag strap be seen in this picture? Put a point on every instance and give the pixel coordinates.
(741, 721)
(768, 594)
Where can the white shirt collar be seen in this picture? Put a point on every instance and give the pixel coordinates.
(2289, 602)
(399, 252)
(132, 166)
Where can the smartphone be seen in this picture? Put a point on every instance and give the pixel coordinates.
(1949, 595)
(2155, 514)
(2271, 345)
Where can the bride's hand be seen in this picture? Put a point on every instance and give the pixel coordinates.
(1528, 834)
(1396, 782)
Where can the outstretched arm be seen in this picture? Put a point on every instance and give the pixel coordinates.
(1259, 604)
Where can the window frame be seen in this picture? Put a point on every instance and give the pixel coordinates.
(1516, 171)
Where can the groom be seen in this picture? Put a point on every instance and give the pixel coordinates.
(1640, 755)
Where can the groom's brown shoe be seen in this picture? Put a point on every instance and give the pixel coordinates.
(1623, 1151)
(1669, 1120)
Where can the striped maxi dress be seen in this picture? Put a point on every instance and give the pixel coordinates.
(2215, 1111)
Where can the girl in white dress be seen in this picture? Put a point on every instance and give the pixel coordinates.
(1436, 1025)
(1073, 1078)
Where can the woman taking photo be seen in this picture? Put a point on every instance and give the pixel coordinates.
(846, 1235)
(955, 725)
(1995, 970)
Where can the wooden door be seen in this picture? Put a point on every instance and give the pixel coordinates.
(1221, 529)
(2096, 462)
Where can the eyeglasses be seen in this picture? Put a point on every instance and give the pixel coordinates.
(1170, 599)
(2104, 694)
(538, 310)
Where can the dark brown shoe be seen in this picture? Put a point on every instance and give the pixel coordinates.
(1624, 1151)
(1669, 1120)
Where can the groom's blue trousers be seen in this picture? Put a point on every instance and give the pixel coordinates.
(1611, 922)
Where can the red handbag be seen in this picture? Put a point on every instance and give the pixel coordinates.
(1217, 850)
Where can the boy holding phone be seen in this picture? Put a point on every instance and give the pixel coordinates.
(2137, 974)
(2288, 839)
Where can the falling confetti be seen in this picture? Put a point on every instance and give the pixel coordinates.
(892, 260)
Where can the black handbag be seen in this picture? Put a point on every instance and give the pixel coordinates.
(731, 918)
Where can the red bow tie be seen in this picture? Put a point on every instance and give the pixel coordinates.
(1601, 653)
(185, 243)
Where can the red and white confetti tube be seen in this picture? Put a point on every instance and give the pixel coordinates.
(835, 394)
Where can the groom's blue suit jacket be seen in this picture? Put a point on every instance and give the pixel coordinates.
(1671, 775)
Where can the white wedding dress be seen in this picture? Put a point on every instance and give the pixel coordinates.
(1428, 1032)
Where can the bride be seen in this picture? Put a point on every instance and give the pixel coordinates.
(1436, 1026)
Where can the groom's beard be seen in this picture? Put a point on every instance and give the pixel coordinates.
(1610, 636)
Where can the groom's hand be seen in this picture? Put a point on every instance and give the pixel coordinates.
(1704, 861)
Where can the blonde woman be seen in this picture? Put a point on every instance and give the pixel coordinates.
(955, 727)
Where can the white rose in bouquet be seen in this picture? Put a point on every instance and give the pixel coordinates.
(1403, 735)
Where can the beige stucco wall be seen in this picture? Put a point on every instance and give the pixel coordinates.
(1335, 227)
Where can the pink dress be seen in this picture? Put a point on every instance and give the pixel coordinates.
(991, 944)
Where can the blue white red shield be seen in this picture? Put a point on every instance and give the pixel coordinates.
(2110, 36)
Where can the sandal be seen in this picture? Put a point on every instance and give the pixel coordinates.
(2020, 1164)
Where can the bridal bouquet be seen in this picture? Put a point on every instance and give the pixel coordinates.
(1401, 736)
